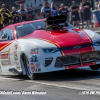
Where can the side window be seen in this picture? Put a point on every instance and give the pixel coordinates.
(6, 35)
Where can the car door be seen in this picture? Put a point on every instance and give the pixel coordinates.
(6, 51)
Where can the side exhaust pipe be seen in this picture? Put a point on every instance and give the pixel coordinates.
(14, 71)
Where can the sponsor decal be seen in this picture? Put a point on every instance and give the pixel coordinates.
(18, 65)
(5, 63)
(32, 66)
(16, 47)
(34, 58)
(37, 64)
(38, 70)
(32, 4)
(15, 52)
(37, 67)
(34, 51)
(15, 56)
(5, 55)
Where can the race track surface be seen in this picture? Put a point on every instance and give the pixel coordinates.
(62, 85)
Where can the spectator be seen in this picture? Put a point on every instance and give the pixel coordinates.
(81, 14)
(8, 12)
(96, 5)
(1, 21)
(15, 15)
(46, 10)
(63, 10)
(87, 12)
(33, 15)
(38, 16)
(54, 9)
(6, 17)
(66, 7)
(99, 6)
(23, 13)
(75, 15)
(28, 17)
(69, 14)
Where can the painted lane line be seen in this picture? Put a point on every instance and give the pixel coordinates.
(68, 85)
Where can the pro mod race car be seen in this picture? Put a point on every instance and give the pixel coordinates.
(47, 45)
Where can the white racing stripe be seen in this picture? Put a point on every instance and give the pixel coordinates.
(92, 34)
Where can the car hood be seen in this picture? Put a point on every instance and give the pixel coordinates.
(63, 37)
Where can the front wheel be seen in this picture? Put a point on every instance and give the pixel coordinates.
(31, 75)
(95, 67)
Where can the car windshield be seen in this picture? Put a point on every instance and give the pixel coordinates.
(29, 28)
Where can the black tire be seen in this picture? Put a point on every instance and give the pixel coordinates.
(95, 67)
(32, 76)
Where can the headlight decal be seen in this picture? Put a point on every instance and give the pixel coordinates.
(54, 50)
(97, 43)
(51, 50)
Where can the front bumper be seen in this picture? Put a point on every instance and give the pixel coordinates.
(69, 59)
(78, 59)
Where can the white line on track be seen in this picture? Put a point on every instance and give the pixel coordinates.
(66, 84)
(8, 78)
(69, 85)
